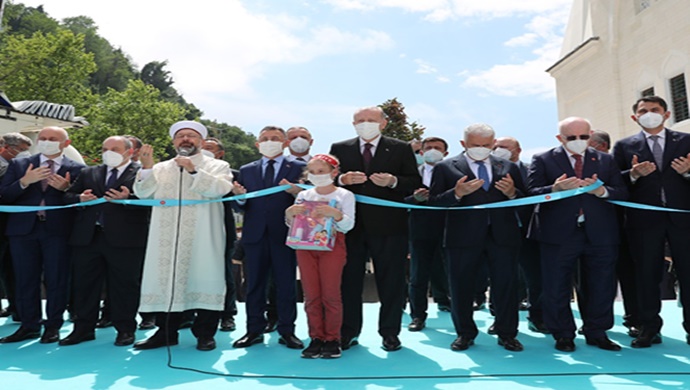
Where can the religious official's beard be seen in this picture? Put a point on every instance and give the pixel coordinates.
(186, 150)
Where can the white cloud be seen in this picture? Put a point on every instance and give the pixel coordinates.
(443, 79)
(424, 67)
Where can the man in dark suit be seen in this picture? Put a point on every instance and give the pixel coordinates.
(38, 240)
(583, 227)
(473, 236)
(213, 147)
(426, 235)
(530, 263)
(384, 168)
(108, 243)
(263, 238)
(655, 164)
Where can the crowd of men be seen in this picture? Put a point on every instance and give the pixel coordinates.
(173, 264)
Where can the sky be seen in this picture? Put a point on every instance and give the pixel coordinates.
(312, 63)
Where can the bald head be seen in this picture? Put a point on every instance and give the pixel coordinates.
(52, 141)
(510, 144)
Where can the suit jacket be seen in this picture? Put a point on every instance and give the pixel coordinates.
(647, 190)
(267, 213)
(124, 226)
(555, 222)
(391, 156)
(57, 221)
(470, 227)
(425, 224)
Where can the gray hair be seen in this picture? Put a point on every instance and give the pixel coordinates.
(480, 129)
(16, 139)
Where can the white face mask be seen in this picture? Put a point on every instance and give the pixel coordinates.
(577, 146)
(270, 148)
(23, 154)
(651, 120)
(112, 159)
(320, 180)
(208, 153)
(432, 156)
(299, 145)
(502, 153)
(368, 130)
(478, 153)
(48, 148)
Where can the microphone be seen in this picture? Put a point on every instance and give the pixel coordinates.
(184, 152)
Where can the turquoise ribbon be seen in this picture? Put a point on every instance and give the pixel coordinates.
(530, 200)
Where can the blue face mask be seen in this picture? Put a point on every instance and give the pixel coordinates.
(419, 158)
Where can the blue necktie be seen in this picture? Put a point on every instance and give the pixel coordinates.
(483, 174)
(269, 174)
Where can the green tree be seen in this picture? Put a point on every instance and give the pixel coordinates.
(138, 110)
(154, 73)
(22, 20)
(239, 145)
(51, 67)
(398, 125)
(114, 67)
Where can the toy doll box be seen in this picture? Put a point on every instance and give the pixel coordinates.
(311, 233)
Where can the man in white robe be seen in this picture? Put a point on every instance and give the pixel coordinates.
(184, 266)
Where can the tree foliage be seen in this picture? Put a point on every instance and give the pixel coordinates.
(138, 111)
(239, 146)
(398, 125)
(52, 67)
(155, 74)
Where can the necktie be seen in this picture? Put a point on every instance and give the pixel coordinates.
(578, 165)
(483, 174)
(659, 160)
(367, 156)
(112, 179)
(44, 186)
(44, 182)
(657, 152)
(269, 174)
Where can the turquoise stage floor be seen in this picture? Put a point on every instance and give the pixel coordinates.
(425, 362)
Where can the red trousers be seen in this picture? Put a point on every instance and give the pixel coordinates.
(321, 273)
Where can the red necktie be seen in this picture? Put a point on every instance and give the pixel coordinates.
(578, 165)
(366, 156)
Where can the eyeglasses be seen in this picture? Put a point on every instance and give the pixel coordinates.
(583, 137)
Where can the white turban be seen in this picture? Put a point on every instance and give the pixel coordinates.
(196, 126)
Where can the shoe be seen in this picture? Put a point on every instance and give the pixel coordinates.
(416, 325)
(50, 336)
(478, 305)
(124, 338)
(227, 325)
(271, 326)
(645, 340)
(313, 351)
(331, 350)
(687, 338)
(4, 313)
(20, 335)
(205, 344)
(461, 343)
(156, 341)
(147, 324)
(492, 330)
(291, 341)
(391, 343)
(347, 342)
(248, 340)
(581, 330)
(510, 344)
(634, 331)
(524, 305)
(77, 337)
(444, 307)
(537, 326)
(603, 343)
(104, 323)
(565, 344)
